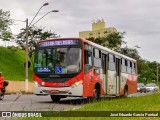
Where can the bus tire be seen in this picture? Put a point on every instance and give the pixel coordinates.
(1, 96)
(96, 95)
(55, 98)
(125, 92)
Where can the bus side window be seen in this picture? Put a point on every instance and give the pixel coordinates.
(87, 57)
(124, 66)
(128, 67)
(97, 58)
(133, 68)
(112, 62)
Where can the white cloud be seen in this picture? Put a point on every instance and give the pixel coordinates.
(138, 18)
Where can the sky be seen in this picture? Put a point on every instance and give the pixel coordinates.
(140, 19)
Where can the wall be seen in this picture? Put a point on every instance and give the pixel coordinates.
(18, 86)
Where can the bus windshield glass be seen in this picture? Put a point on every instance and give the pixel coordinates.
(66, 60)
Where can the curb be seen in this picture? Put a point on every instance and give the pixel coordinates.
(11, 93)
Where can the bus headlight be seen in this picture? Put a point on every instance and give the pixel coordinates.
(77, 83)
(36, 83)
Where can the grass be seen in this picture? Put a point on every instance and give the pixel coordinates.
(12, 64)
(142, 103)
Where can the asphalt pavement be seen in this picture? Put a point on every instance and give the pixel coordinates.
(30, 102)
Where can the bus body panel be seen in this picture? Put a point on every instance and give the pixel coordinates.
(111, 83)
(132, 84)
(90, 80)
(130, 81)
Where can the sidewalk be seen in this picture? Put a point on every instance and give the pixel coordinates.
(18, 86)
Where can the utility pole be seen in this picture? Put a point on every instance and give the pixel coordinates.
(26, 55)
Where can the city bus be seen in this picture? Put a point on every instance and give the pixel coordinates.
(76, 67)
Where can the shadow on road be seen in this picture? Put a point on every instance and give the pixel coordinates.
(78, 101)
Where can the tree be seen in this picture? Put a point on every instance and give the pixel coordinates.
(112, 40)
(147, 70)
(130, 52)
(34, 34)
(5, 22)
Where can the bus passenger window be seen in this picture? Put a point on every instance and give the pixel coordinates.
(112, 65)
(124, 67)
(133, 68)
(128, 67)
(97, 58)
(88, 57)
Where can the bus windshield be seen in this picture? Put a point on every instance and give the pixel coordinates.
(58, 60)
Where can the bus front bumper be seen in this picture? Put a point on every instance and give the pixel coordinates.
(74, 90)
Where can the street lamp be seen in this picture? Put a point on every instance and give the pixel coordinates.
(136, 46)
(45, 4)
(45, 15)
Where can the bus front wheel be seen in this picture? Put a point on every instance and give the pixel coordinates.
(1, 96)
(55, 98)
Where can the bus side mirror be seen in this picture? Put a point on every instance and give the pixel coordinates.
(29, 64)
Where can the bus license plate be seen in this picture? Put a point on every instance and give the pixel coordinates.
(54, 91)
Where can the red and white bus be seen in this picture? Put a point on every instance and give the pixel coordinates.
(77, 67)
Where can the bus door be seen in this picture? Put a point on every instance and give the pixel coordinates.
(104, 72)
(118, 64)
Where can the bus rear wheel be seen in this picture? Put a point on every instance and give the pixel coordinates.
(55, 98)
(125, 92)
(96, 95)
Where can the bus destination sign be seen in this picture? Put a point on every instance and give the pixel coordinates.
(57, 43)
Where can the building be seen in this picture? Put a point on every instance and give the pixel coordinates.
(98, 30)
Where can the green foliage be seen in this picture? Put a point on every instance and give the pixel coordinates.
(142, 103)
(12, 64)
(5, 22)
(130, 52)
(139, 104)
(34, 34)
(112, 40)
(147, 70)
(6, 36)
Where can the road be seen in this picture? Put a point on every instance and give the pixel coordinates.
(21, 102)
(18, 102)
